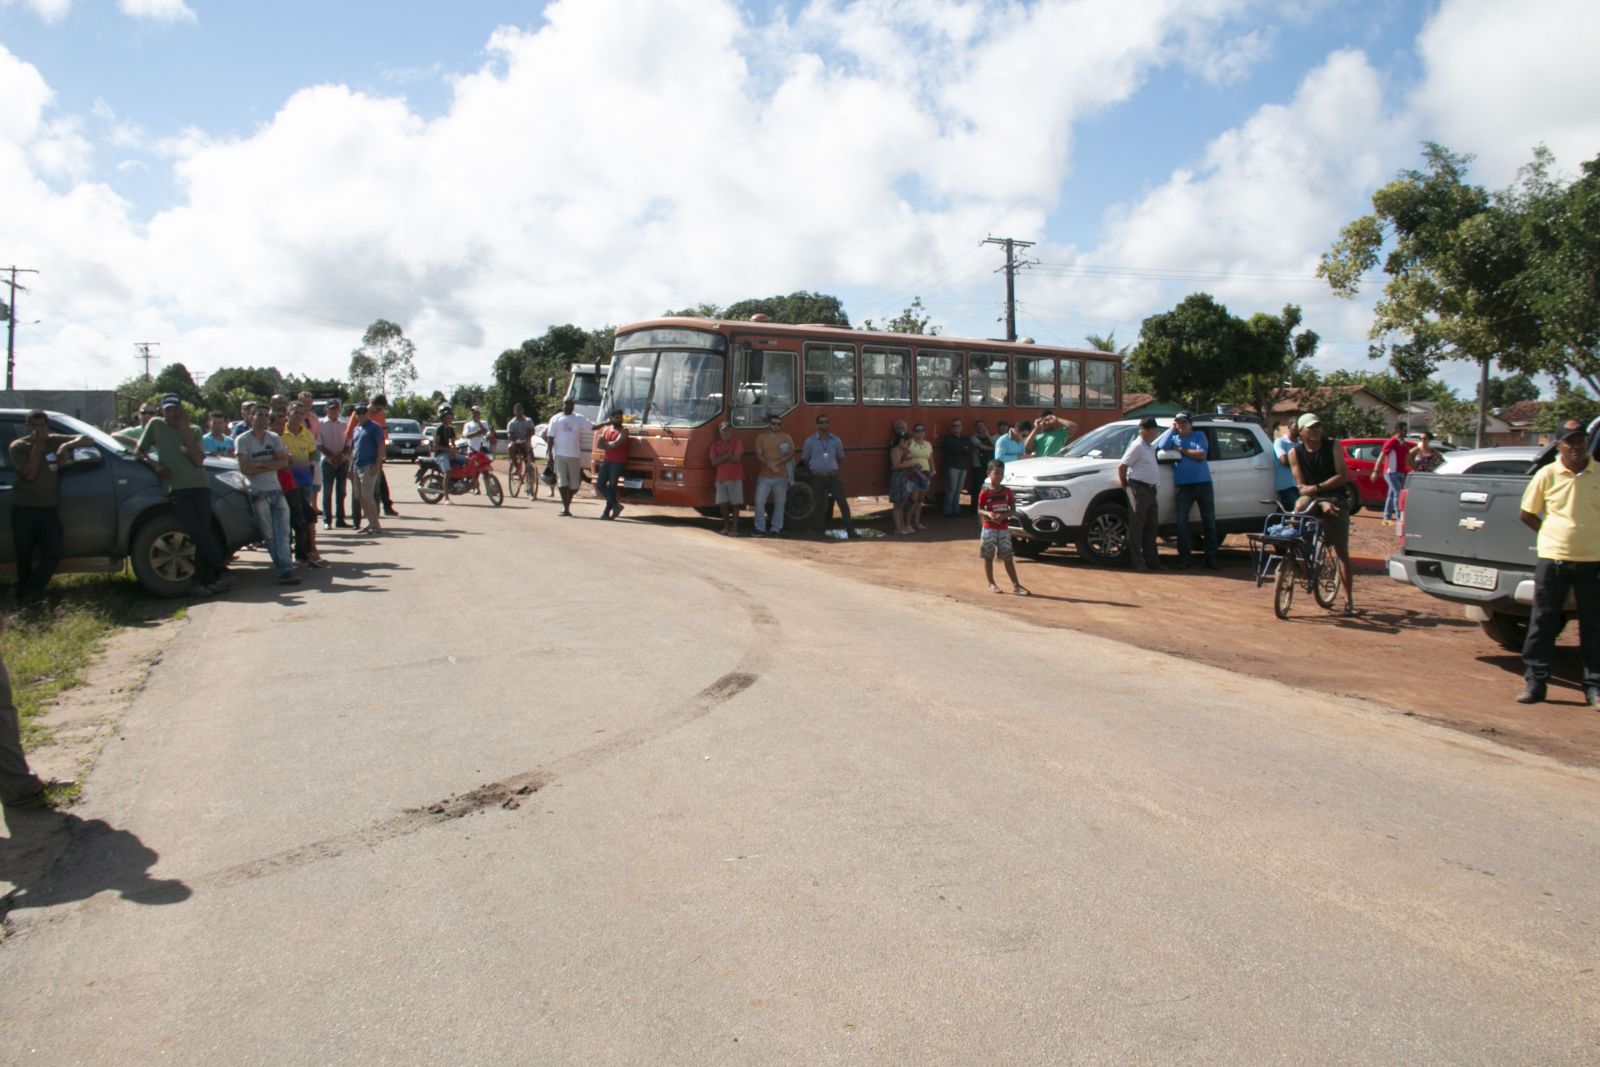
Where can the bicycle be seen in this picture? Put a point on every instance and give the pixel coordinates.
(520, 473)
(1289, 549)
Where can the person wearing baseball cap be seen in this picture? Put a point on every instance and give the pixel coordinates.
(1562, 503)
(1321, 476)
(1191, 477)
(180, 464)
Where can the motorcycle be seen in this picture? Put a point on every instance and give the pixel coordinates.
(465, 477)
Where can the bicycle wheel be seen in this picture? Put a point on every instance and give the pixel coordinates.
(1283, 595)
(1325, 585)
(514, 479)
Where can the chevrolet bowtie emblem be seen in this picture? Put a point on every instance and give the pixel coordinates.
(1470, 524)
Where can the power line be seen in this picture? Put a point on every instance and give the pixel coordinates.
(11, 324)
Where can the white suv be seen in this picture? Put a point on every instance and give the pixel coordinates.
(1077, 498)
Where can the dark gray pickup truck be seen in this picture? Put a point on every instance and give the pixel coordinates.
(1462, 539)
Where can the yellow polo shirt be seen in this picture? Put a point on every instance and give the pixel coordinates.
(1571, 506)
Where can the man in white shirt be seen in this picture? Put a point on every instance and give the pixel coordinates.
(1138, 472)
(569, 436)
(335, 466)
(479, 434)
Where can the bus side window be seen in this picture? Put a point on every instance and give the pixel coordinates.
(830, 374)
(1036, 382)
(1100, 387)
(763, 385)
(885, 375)
(938, 377)
(1071, 383)
(988, 380)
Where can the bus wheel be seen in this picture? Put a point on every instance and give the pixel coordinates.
(800, 507)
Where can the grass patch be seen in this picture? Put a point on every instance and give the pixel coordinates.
(46, 649)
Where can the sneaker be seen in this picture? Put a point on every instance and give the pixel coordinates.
(1592, 697)
(390, 513)
(327, 526)
(223, 584)
(1210, 564)
(342, 525)
(286, 578)
(197, 589)
(1532, 693)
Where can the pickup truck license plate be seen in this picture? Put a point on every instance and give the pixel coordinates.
(633, 483)
(1474, 577)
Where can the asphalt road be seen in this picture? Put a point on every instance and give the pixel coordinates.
(512, 787)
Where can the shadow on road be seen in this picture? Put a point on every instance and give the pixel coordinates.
(55, 857)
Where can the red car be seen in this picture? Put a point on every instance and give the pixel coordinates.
(1360, 457)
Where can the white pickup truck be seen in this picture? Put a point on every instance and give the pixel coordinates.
(1076, 498)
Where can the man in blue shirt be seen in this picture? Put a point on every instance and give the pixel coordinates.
(1283, 474)
(366, 453)
(1012, 445)
(823, 455)
(1192, 479)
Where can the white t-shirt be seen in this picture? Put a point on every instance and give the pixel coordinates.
(1140, 459)
(476, 434)
(262, 449)
(571, 435)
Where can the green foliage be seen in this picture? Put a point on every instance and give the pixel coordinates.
(227, 387)
(535, 373)
(1196, 351)
(1570, 403)
(463, 397)
(797, 307)
(1345, 419)
(386, 362)
(175, 378)
(1453, 417)
(1280, 368)
(912, 320)
(1503, 392)
(424, 409)
(319, 388)
(1560, 229)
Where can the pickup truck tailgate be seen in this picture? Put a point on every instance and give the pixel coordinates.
(1467, 517)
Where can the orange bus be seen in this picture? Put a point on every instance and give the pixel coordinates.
(675, 379)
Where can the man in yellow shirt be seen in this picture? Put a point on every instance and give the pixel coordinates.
(1562, 502)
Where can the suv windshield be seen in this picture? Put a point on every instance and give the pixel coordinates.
(1108, 442)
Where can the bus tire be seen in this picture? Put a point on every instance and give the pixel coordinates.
(800, 506)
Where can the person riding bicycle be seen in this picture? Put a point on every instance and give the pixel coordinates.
(444, 447)
(520, 430)
(1321, 476)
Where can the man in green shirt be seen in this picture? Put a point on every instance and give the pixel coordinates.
(129, 435)
(1050, 435)
(35, 519)
(180, 463)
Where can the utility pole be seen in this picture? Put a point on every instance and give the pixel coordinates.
(11, 324)
(144, 348)
(1011, 268)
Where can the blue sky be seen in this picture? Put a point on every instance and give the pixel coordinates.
(254, 183)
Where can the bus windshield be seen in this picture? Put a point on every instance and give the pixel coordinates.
(665, 388)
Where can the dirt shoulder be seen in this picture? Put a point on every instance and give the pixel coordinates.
(1405, 650)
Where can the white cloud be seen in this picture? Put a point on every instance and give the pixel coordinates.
(159, 10)
(48, 10)
(1502, 77)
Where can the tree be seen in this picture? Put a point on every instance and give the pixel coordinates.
(319, 388)
(798, 306)
(1195, 351)
(385, 362)
(1454, 256)
(912, 320)
(175, 378)
(1344, 419)
(1560, 231)
(1281, 361)
(536, 371)
(467, 396)
(1571, 402)
(1503, 392)
(224, 385)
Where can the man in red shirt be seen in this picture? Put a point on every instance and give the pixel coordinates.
(1396, 455)
(727, 459)
(996, 504)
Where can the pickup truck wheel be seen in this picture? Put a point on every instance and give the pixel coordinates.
(163, 557)
(1029, 547)
(1509, 631)
(1104, 537)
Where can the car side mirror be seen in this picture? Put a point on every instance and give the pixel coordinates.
(1168, 455)
(85, 459)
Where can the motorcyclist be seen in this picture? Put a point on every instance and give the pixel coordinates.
(444, 447)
